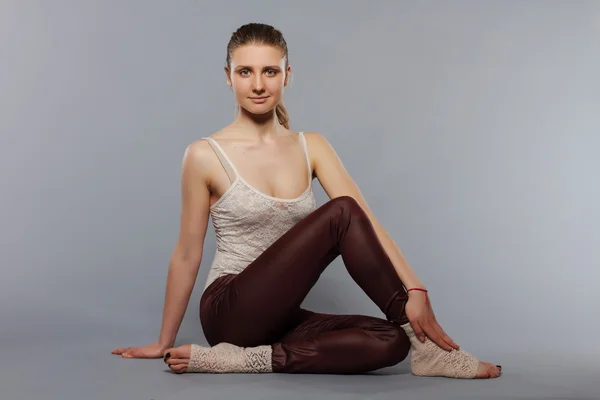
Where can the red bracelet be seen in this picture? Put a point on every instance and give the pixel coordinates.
(419, 289)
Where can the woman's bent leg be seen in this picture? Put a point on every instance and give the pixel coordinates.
(260, 304)
(251, 311)
(339, 344)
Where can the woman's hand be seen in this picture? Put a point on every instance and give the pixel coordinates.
(422, 320)
(154, 350)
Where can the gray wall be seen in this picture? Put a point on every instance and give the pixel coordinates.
(472, 128)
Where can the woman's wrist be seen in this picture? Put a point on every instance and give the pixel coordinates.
(416, 290)
(166, 343)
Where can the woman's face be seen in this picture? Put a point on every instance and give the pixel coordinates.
(258, 76)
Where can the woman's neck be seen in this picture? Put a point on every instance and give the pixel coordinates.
(260, 127)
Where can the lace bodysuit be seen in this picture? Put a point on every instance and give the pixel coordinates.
(247, 221)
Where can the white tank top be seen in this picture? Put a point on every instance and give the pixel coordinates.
(247, 221)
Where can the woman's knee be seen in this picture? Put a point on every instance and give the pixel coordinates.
(397, 345)
(344, 201)
(346, 205)
(389, 344)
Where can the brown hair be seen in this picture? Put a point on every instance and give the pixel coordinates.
(261, 34)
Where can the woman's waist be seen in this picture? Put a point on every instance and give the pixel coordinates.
(245, 255)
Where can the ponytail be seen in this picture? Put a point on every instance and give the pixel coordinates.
(282, 115)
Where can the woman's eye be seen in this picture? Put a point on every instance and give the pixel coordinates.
(271, 72)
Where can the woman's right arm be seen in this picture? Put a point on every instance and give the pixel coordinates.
(187, 255)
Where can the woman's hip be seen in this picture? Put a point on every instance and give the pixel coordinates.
(226, 317)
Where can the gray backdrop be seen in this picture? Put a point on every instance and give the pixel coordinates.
(471, 127)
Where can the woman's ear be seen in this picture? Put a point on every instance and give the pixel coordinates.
(288, 75)
(228, 76)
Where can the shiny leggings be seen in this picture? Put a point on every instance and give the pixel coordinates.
(261, 305)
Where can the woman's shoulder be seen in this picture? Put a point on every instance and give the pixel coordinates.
(201, 145)
(222, 133)
(202, 153)
(316, 142)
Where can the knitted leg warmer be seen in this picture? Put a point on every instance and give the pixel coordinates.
(428, 359)
(228, 358)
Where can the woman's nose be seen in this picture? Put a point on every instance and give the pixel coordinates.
(258, 84)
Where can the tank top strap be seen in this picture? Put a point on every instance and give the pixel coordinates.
(229, 167)
(305, 148)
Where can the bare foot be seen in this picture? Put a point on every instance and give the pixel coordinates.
(178, 358)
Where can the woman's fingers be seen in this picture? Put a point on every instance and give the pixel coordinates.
(120, 350)
(449, 340)
(447, 337)
(435, 337)
(435, 331)
(131, 352)
(128, 352)
(418, 330)
(444, 335)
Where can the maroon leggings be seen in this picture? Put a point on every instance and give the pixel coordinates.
(261, 305)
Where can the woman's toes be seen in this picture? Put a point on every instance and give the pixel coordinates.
(498, 371)
(494, 371)
(487, 370)
(178, 357)
(179, 368)
(183, 351)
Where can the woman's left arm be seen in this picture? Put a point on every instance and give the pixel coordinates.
(336, 182)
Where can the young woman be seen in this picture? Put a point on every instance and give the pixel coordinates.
(254, 177)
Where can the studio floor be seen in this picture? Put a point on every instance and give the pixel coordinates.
(87, 370)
